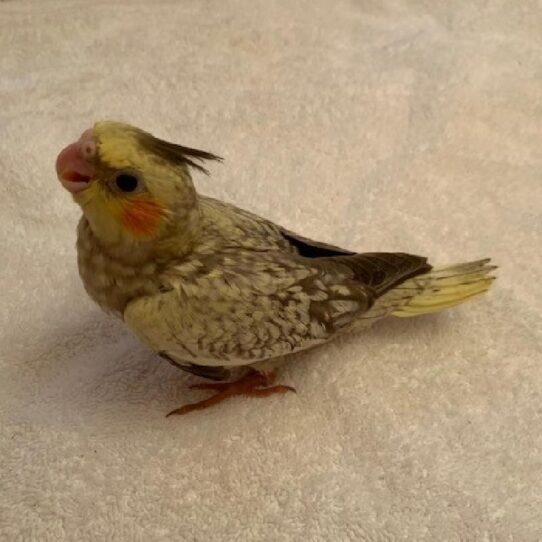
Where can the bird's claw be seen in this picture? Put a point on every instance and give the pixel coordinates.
(250, 385)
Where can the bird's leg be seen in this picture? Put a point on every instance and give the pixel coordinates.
(251, 385)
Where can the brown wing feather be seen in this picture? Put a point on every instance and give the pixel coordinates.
(379, 271)
(210, 372)
(382, 271)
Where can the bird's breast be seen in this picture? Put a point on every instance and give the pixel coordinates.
(110, 281)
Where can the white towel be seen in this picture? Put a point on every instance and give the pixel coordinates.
(411, 126)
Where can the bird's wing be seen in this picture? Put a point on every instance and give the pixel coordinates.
(205, 371)
(380, 271)
(239, 307)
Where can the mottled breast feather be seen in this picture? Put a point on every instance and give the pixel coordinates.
(109, 279)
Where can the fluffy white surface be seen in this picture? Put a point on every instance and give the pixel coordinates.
(395, 125)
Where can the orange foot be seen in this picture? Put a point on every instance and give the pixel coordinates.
(251, 385)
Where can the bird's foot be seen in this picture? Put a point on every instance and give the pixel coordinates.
(251, 385)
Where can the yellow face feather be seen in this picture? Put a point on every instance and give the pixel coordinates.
(164, 195)
(118, 146)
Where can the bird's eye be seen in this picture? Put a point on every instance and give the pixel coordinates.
(127, 182)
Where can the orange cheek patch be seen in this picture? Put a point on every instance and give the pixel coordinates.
(141, 217)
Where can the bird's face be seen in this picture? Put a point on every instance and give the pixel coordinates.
(130, 185)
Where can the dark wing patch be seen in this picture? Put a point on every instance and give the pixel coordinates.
(313, 249)
(212, 373)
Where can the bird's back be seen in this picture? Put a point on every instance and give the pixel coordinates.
(228, 226)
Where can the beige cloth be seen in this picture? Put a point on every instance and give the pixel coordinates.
(393, 125)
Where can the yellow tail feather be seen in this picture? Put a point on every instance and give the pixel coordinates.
(444, 288)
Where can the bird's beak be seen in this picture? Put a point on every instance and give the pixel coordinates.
(75, 164)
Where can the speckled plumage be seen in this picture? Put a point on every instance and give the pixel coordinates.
(216, 286)
(241, 296)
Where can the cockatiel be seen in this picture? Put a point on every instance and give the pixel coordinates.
(211, 287)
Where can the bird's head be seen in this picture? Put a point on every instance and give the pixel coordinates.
(132, 187)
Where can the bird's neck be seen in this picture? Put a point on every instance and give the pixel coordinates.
(174, 240)
(114, 273)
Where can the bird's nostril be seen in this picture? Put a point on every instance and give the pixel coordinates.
(88, 149)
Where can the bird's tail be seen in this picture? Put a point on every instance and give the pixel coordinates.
(440, 288)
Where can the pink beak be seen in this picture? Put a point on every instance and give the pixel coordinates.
(74, 164)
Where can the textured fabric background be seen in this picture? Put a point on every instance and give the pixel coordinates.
(377, 125)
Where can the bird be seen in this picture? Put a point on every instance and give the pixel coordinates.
(213, 288)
